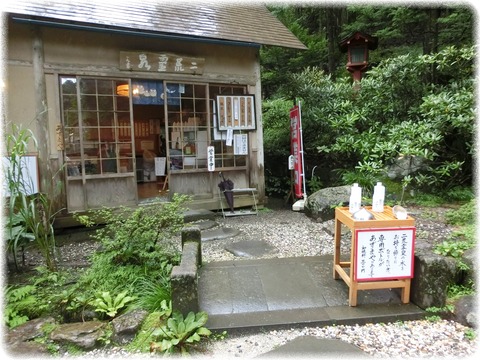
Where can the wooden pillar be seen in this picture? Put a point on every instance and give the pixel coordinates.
(41, 111)
(257, 173)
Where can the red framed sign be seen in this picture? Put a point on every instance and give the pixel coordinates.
(296, 149)
(384, 253)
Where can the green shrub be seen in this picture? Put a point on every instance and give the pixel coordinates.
(179, 332)
(451, 248)
(460, 193)
(138, 246)
(427, 112)
(464, 237)
(141, 236)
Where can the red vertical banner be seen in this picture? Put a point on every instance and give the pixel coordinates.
(296, 149)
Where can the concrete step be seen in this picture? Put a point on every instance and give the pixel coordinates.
(262, 293)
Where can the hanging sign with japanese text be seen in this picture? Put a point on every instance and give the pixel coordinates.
(211, 158)
(160, 62)
(296, 149)
(384, 254)
(236, 112)
(240, 142)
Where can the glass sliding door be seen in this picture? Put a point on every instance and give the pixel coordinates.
(98, 137)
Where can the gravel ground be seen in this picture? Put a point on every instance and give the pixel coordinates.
(294, 234)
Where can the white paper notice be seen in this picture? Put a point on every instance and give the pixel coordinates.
(383, 254)
(240, 144)
(160, 163)
(229, 137)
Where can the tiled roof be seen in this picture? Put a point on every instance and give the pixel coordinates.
(245, 23)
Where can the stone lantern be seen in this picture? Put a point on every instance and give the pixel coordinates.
(357, 46)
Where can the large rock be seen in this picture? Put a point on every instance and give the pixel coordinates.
(465, 311)
(406, 165)
(125, 326)
(85, 335)
(432, 275)
(469, 258)
(20, 340)
(321, 204)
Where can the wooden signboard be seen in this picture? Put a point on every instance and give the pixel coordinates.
(384, 253)
(160, 62)
(236, 112)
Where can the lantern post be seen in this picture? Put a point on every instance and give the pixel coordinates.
(357, 46)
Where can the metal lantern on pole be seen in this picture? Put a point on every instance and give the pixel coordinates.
(357, 46)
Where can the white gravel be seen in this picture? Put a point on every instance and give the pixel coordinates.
(410, 339)
(291, 233)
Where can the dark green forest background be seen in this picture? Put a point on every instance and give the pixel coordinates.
(411, 122)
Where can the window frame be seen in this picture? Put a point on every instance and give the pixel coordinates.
(212, 136)
(85, 140)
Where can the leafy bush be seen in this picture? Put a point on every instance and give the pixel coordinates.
(179, 332)
(137, 246)
(140, 236)
(111, 305)
(454, 249)
(407, 106)
(460, 193)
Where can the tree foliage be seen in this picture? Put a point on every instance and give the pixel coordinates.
(415, 101)
(400, 30)
(397, 113)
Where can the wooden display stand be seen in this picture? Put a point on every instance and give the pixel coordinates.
(251, 191)
(386, 225)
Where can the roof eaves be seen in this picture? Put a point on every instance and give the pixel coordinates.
(129, 31)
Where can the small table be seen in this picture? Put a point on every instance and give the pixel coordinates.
(386, 221)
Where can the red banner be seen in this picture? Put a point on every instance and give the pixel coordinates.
(296, 149)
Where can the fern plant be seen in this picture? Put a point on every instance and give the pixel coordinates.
(18, 302)
(180, 332)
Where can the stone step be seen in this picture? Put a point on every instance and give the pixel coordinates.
(196, 215)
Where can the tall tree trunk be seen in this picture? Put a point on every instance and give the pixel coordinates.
(331, 37)
(430, 41)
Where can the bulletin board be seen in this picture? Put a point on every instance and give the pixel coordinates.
(384, 254)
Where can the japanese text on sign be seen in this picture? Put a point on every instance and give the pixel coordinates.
(211, 158)
(383, 254)
(236, 112)
(296, 149)
(240, 144)
(160, 62)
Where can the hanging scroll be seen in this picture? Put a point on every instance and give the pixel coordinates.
(384, 254)
(236, 112)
